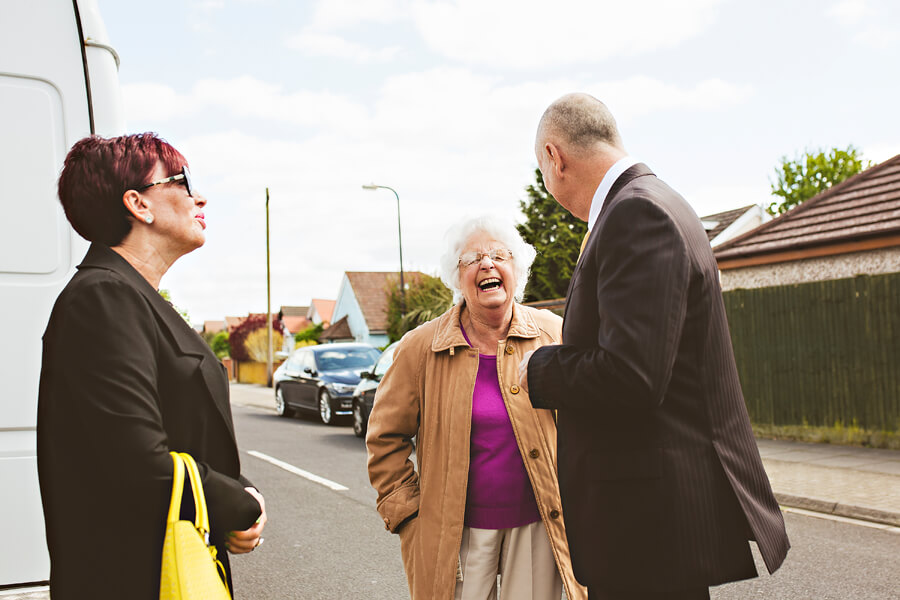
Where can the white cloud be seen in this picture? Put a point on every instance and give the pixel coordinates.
(639, 96)
(881, 152)
(849, 11)
(210, 5)
(711, 199)
(151, 101)
(530, 33)
(878, 37)
(325, 44)
(243, 97)
(873, 22)
(451, 142)
(330, 15)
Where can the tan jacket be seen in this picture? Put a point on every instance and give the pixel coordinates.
(427, 394)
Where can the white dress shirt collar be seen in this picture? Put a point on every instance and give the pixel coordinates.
(619, 167)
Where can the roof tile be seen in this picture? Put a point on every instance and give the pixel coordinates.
(866, 205)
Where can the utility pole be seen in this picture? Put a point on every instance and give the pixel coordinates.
(268, 301)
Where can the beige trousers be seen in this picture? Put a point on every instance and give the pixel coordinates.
(522, 556)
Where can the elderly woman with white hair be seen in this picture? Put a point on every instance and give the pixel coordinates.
(483, 498)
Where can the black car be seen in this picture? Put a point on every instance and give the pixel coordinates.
(364, 394)
(321, 379)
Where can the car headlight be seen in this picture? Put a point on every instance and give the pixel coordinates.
(341, 388)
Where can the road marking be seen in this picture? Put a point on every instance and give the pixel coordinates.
(840, 519)
(298, 471)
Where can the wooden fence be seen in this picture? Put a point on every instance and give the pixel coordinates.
(820, 353)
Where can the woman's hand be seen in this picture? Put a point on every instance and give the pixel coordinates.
(242, 542)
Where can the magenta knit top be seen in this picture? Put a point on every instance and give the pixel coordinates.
(499, 494)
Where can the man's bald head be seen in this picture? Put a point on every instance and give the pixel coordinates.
(581, 122)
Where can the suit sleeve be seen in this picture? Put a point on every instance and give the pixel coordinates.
(392, 425)
(110, 344)
(642, 276)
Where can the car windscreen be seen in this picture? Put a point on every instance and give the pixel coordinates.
(387, 357)
(338, 360)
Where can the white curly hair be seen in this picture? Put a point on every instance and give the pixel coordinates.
(499, 229)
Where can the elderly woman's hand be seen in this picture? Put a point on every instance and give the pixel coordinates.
(241, 542)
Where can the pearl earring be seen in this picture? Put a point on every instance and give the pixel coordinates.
(148, 219)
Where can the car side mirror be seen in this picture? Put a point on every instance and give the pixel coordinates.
(366, 375)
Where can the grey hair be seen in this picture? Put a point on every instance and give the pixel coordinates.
(582, 120)
(501, 230)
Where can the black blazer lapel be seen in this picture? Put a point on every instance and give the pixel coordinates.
(186, 339)
(630, 174)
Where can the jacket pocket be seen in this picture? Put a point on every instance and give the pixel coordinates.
(635, 463)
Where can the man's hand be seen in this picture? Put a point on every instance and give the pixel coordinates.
(241, 542)
(523, 371)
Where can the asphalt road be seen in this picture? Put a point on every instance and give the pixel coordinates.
(326, 543)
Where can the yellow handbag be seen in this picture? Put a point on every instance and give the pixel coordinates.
(190, 568)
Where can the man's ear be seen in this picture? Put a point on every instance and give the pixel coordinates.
(137, 205)
(555, 157)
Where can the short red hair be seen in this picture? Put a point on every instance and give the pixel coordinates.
(97, 172)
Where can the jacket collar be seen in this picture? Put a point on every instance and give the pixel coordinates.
(100, 256)
(449, 334)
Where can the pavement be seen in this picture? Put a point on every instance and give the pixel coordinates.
(830, 480)
(845, 481)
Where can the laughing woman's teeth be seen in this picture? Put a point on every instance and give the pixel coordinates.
(490, 284)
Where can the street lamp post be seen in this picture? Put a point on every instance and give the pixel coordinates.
(372, 186)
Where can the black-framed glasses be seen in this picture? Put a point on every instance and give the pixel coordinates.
(472, 258)
(185, 176)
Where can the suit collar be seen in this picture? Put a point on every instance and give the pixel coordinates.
(448, 333)
(604, 190)
(188, 342)
(630, 174)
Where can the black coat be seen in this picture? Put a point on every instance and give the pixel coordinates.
(662, 484)
(124, 380)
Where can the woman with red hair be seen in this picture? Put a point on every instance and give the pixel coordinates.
(124, 380)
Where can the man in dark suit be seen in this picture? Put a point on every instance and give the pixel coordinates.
(662, 484)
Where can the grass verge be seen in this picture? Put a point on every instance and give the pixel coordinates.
(847, 435)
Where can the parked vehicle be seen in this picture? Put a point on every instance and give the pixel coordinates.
(364, 394)
(58, 83)
(321, 379)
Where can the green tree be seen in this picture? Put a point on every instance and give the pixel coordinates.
(556, 235)
(310, 334)
(219, 344)
(426, 298)
(812, 173)
(167, 296)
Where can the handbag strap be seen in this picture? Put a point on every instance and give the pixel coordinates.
(201, 519)
(177, 488)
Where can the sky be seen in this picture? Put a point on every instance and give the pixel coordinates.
(439, 99)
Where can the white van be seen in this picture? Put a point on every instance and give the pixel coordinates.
(58, 83)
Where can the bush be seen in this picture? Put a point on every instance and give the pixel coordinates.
(257, 343)
(238, 337)
(426, 298)
(220, 346)
(310, 334)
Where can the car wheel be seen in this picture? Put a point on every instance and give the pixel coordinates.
(281, 407)
(359, 423)
(325, 408)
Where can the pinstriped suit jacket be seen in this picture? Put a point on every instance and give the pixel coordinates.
(662, 483)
